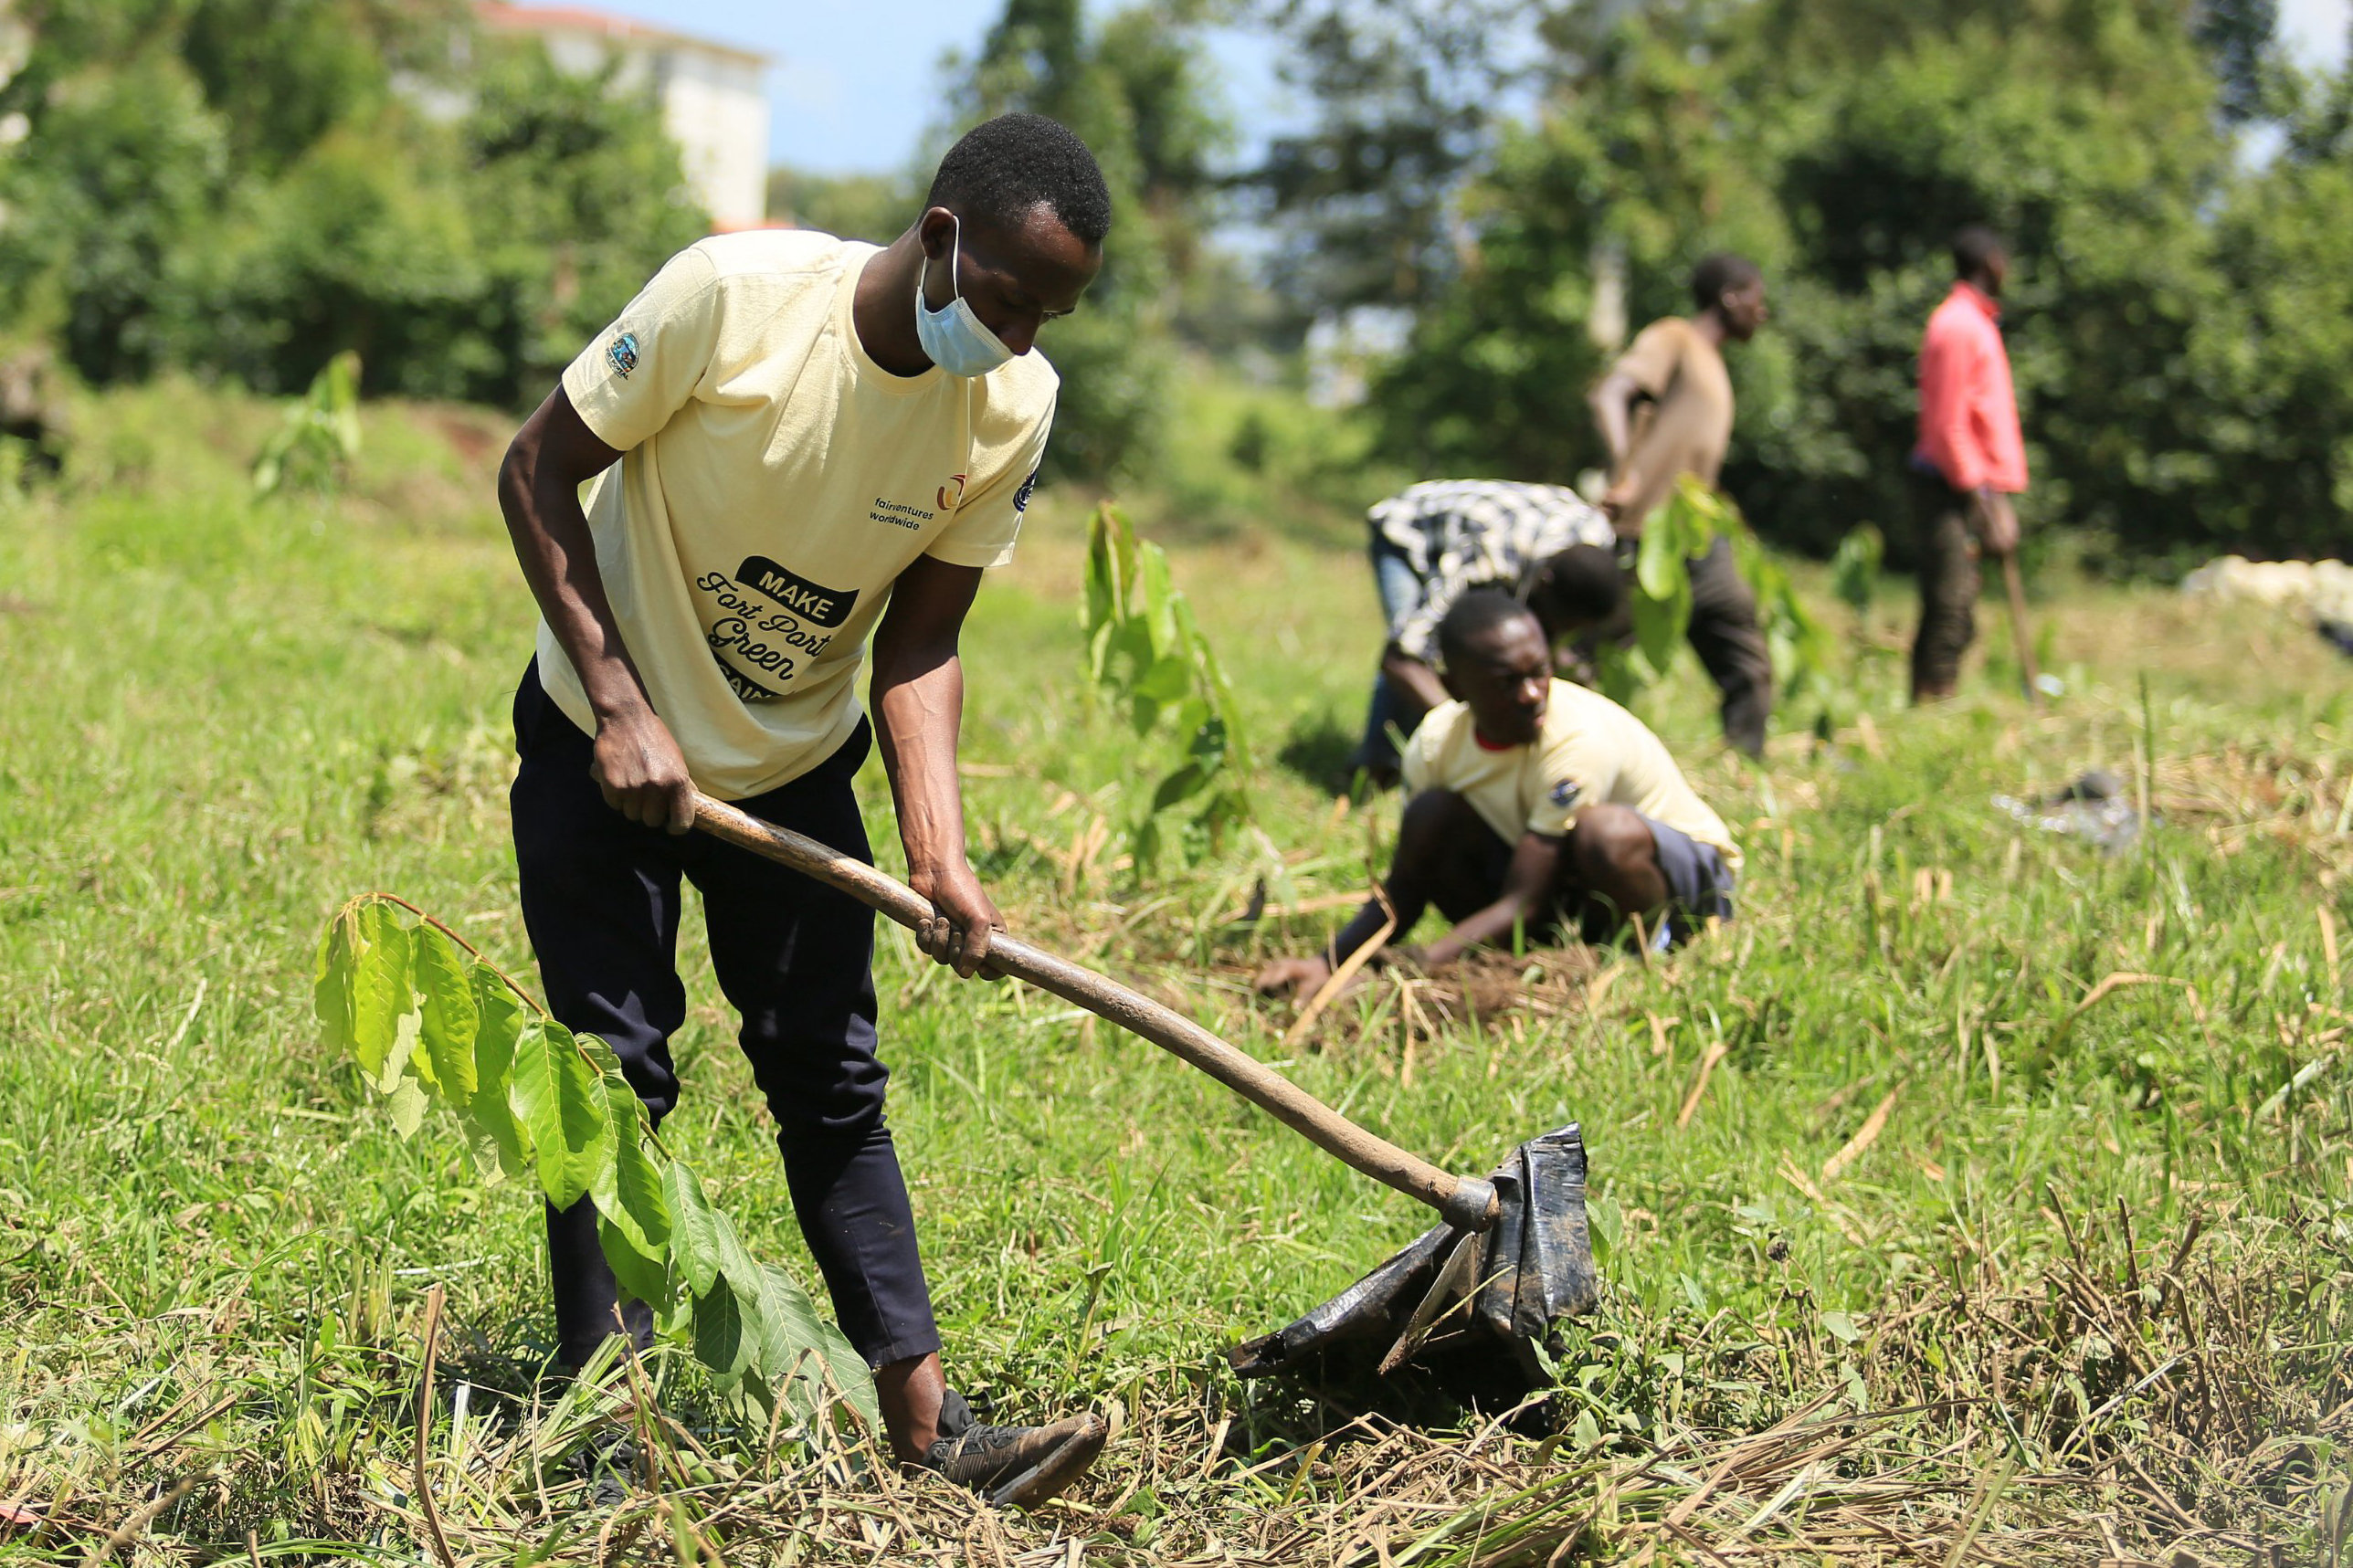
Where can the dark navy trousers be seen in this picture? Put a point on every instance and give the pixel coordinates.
(600, 898)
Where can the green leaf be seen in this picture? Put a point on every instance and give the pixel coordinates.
(694, 1232)
(380, 996)
(445, 1059)
(1605, 1222)
(1098, 610)
(1165, 681)
(633, 1214)
(1587, 1431)
(1621, 680)
(1211, 739)
(1658, 563)
(1659, 623)
(800, 1351)
(735, 1259)
(332, 981)
(407, 1108)
(643, 1275)
(1842, 1328)
(499, 1144)
(1178, 786)
(724, 1339)
(560, 1106)
(1152, 572)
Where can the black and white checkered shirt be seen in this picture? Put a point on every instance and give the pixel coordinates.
(1461, 534)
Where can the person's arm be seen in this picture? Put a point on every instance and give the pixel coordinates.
(1528, 882)
(1406, 657)
(1612, 402)
(1643, 371)
(1990, 409)
(1417, 678)
(638, 763)
(1950, 374)
(1995, 519)
(918, 699)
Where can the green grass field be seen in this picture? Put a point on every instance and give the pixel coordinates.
(1978, 1197)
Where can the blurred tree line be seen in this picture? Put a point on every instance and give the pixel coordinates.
(2179, 200)
(247, 187)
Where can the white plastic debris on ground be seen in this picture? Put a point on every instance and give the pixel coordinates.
(2320, 590)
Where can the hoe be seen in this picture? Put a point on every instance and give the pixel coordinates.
(1467, 1303)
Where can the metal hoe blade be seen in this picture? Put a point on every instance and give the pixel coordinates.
(1470, 1306)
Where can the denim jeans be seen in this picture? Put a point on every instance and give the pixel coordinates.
(1400, 587)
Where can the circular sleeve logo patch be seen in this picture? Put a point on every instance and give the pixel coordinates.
(621, 353)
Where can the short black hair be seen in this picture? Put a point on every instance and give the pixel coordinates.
(1584, 582)
(1475, 614)
(1719, 275)
(1974, 245)
(1001, 168)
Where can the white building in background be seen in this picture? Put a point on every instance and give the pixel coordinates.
(713, 96)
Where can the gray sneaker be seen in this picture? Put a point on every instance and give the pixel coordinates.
(1013, 1467)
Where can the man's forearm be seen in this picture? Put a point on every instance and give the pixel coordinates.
(1609, 419)
(1417, 678)
(1365, 928)
(918, 711)
(1491, 924)
(558, 556)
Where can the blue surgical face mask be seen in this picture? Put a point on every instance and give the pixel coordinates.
(954, 338)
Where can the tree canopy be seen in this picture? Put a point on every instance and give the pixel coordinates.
(249, 188)
(2173, 304)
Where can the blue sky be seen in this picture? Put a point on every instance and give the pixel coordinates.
(854, 84)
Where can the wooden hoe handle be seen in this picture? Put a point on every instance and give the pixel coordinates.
(1466, 1201)
(2016, 588)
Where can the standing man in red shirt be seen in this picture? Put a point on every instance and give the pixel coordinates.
(1970, 461)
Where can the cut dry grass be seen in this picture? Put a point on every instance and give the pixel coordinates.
(1986, 1420)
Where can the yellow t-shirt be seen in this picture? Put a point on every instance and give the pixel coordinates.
(775, 483)
(1591, 750)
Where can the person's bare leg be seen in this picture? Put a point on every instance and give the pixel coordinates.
(910, 1393)
(1615, 858)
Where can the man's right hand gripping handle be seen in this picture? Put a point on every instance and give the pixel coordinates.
(642, 770)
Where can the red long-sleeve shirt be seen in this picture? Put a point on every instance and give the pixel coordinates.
(1969, 409)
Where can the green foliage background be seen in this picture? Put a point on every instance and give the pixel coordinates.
(245, 188)
(236, 186)
(2179, 314)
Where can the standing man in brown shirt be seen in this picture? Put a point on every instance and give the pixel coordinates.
(1665, 410)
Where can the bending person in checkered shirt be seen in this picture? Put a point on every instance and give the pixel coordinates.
(1433, 542)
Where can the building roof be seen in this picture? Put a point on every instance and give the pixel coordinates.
(620, 29)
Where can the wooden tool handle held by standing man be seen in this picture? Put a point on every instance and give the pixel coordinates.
(1469, 1202)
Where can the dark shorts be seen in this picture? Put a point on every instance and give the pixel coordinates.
(1699, 884)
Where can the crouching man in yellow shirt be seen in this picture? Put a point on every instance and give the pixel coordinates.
(1537, 806)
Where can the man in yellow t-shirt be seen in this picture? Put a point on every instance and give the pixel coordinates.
(1532, 803)
(794, 442)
